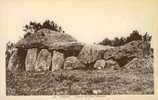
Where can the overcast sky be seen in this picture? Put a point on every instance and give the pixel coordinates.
(87, 20)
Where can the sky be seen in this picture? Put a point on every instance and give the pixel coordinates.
(89, 21)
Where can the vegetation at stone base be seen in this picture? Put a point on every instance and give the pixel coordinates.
(85, 82)
(33, 27)
(135, 35)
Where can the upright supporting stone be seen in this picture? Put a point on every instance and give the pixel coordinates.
(30, 59)
(43, 61)
(57, 60)
(14, 63)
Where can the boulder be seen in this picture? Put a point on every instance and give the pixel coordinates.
(99, 64)
(123, 54)
(111, 64)
(90, 53)
(43, 61)
(72, 63)
(30, 59)
(140, 64)
(57, 60)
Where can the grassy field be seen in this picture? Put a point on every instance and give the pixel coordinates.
(80, 82)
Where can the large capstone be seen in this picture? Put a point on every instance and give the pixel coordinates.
(43, 61)
(57, 60)
(30, 59)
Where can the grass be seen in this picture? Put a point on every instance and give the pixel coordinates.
(79, 82)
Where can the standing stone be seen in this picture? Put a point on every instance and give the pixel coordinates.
(99, 64)
(43, 61)
(72, 63)
(57, 60)
(14, 63)
(30, 59)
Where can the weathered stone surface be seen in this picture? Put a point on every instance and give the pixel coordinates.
(16, 61)
(13, 61)
(30, 59)
(140, 64)
(74, 46)
(43, 61)
(57, 60)
(111, 64)
(67, 48)
(131, 49)
(91, 53)
(45, 38)
(123, 54)
(72, 63)
(99, 64)
(8, 54)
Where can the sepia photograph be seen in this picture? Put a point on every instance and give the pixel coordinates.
(82, 47)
